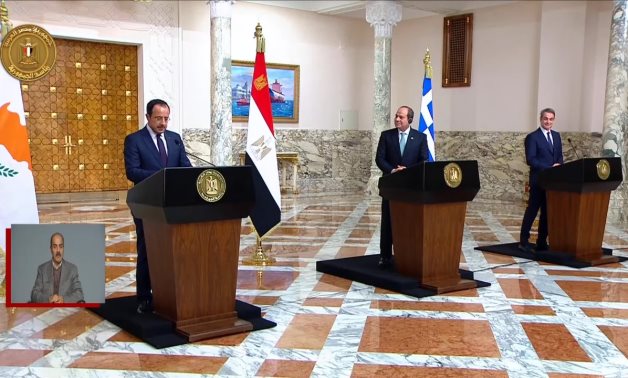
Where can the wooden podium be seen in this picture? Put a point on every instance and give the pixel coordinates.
(578, 193)
(427, 217)
(193, 247)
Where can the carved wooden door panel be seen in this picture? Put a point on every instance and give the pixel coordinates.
(78, 116)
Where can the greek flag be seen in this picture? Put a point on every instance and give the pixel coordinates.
(426, 120)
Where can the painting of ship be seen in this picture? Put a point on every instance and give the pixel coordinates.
(243, 95)
(276, 95)
(283, 90)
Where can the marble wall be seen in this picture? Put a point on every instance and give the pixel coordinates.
(329, 161)
(339, 161)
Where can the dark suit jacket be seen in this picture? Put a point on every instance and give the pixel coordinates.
(539, 154)
(388, 154)
(141, 157)
(69, 285)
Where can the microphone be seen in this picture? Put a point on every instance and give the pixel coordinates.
(200, 158)
(176, 141)
(573, 148)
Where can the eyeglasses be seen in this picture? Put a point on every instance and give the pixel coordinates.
(159, 119)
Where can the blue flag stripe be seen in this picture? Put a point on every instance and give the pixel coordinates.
(426, 119)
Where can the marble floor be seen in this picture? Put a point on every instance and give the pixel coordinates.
(535, 320)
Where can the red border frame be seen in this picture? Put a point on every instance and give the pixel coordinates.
(8, 286)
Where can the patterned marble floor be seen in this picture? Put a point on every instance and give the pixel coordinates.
(535, 320)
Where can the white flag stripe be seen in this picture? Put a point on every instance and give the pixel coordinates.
(425, 112)
(17, 186)
(267, 166)
(430, 141)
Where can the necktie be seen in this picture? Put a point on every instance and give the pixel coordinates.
(402, 142)
(162, 151)
(549, 140)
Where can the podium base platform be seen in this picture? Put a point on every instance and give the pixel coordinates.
(159, 331)
(364, 269)
(604, 259)
(208, 330)
(551, 256)
(447, 286)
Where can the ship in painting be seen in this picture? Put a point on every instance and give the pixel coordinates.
(242, 94)
(242, 101)
(276, 95)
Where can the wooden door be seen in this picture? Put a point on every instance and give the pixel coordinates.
(79, 114)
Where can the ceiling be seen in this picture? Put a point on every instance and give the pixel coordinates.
(411, 9)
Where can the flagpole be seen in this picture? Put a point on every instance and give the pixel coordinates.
(426, 116)
(259, 257)
(427, 62)
(5, 24)
(3, 290)
(5, 27)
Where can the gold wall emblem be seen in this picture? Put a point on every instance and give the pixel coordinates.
(453, 175)
(211, 185)
(28, 52)
(603, 169)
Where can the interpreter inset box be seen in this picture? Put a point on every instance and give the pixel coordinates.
(56, 265)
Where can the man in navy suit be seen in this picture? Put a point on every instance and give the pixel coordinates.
(397, 149)
(543, 150)
(147, 151)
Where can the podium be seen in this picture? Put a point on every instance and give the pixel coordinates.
(428, 204)
(193, 245)
(578, 194)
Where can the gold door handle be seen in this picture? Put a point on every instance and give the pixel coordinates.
(68, 145)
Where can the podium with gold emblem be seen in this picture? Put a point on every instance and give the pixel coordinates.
(428, 205)
(192, 219)
(578, 195)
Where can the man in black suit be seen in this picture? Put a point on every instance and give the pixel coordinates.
(147, 151)
(397, 149)
(543, 150)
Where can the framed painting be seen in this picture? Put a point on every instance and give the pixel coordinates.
(283, 82)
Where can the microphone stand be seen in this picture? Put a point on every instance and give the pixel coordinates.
(573, 148)
(201, 159)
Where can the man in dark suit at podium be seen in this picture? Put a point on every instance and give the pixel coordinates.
(543, 150)
(147, 151)
(397, 149)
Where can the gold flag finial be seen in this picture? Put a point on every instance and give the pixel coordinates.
(427, 61)
(5, 24)
(260, 38)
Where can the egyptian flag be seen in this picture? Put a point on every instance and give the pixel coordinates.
(18, 203)
(261, 153)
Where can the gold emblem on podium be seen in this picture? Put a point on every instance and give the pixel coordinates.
(28, 52)
(453, 175)
(603, 169)
(211, 185)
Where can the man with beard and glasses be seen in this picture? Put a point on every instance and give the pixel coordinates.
(58, 279)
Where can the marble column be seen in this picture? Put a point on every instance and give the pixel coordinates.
(220, 133)
(616, 105)
(383, 16)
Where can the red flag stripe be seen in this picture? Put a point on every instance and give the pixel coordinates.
(260, 90)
